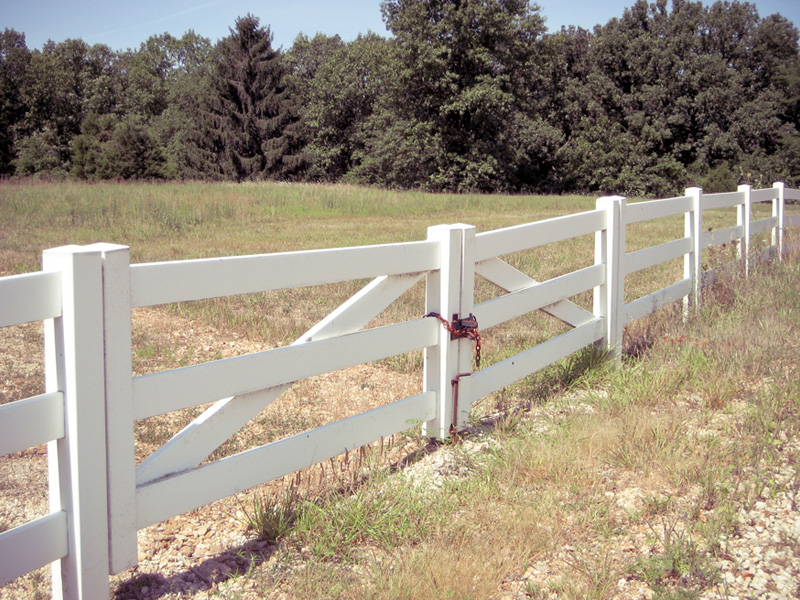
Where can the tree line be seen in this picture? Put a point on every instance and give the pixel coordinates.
(465, 95)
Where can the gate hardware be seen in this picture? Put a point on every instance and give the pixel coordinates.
(463, 328)
(466, 327)
(454, 426)
(460, 328)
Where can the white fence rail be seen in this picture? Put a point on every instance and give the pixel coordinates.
(100, 498)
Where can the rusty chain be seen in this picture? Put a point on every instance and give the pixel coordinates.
(463, 328)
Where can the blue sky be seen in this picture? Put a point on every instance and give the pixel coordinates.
(127, 24)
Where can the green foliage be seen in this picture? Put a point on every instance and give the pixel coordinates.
(719, 179)
(677, 556)
(450, 114)
(659, 91)
(272, 517)
(112, 149)
(243, 131)
(14, 62)
(334, 527)
(467, 95)
(158, 65)
(41, 154)
(341, 84)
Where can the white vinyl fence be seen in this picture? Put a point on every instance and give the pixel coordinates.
(99, 498)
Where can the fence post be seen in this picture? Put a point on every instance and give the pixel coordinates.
(778, 211)
(744, 216)
(77, 462)
(120, 448)
(692, 262)
(609, 298)
(449, 292)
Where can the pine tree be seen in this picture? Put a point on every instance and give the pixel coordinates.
(246, 113)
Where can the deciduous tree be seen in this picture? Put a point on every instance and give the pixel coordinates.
(451, 109)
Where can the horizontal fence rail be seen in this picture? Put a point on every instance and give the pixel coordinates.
(532, 235)
(181, 281)
(165, 498)
(30, 297)
(100, 497)
(33, 545)
(658, 209)
(187, 387)
(32, 421)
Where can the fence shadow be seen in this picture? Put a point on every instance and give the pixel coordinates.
(205, 576)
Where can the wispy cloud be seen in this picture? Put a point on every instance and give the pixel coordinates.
(163, 19)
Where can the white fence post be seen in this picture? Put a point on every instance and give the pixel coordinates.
(120, 445)
(692, 262)
(778, 211)
(744, 217)
(77, 462)
(609, 298)
(449, 292)
(464, 346)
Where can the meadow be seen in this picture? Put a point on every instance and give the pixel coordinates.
(191, 220)
(566, 483)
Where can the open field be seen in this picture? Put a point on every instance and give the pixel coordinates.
(569, 483)
(192, 220)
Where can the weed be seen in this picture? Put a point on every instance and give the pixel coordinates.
(661, 592)
(506, 423)
(579, 370)
(676, 556)
(335, 526)
(271, 516)
(597, 572)
(534, 590)
(657, 505)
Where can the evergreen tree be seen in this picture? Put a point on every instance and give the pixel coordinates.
(244, 130)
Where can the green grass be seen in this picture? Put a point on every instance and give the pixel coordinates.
(190, 220)
(194, 220)
(174, 221)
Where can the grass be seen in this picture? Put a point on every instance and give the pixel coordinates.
(191, 220)
(599, 474)
(545, 485)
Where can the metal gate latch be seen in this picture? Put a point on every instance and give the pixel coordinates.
(466, 327)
